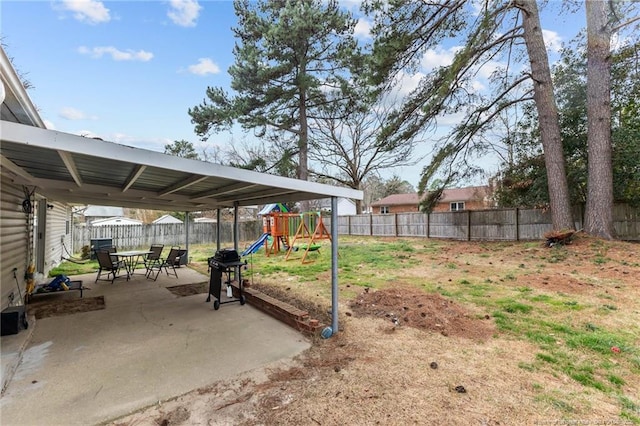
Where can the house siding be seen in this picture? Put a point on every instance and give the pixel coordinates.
(57, 228)
(400, 208)
(14, 237)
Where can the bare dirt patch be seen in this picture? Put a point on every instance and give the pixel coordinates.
(408, 306)
(189, 289)
(52, 307)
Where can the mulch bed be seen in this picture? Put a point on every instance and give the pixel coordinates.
(189, 289)
(56, 307)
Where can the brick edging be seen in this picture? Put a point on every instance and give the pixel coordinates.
(288, 314)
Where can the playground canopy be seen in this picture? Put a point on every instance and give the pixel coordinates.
(273, 207)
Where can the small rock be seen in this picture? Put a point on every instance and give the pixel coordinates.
(433, 365)
(460, 389)
(348, 314)
(337, 368)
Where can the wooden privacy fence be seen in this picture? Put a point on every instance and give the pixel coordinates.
(171, 234)
(497, 224)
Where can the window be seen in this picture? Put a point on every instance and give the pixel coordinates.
(457, 206)
(384, 209)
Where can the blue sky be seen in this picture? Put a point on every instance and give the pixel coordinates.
(128, 71)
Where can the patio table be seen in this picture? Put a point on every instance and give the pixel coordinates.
(130, 259)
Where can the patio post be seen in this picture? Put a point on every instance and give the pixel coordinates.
(330, 331)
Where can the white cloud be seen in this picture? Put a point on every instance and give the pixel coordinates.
(89, 11)
(435, 58)
(552, 40)
(71, 113)
(203, 67)
(184, 12)
(363, 28)
(116, 55)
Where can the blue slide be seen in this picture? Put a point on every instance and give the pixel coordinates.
(256, 246)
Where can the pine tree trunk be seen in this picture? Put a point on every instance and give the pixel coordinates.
(559, 201)
(599, 207)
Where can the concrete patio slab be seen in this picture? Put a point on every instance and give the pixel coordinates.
(146, 346)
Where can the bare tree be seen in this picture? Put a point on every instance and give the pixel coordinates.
(347, 150)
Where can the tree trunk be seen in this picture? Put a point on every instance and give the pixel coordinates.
(559, 201)
(303, 145)
(358, 206)
(599, 208)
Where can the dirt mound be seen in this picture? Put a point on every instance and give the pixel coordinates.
(406, 306)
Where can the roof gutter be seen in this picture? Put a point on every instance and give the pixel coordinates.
(13, 86)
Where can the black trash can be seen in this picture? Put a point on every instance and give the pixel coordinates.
(99, 243)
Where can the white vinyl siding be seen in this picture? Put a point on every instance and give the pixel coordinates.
(13, 234)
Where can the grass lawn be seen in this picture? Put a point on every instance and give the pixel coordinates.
(566, 344)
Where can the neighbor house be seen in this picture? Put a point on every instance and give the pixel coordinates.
(111, 221)
(95, 213)
(454, 199)
(346, 206)
(167, 218)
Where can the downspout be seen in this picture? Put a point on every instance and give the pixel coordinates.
(330, 331)
(186, 223)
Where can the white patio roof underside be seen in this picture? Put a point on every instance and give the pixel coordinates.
(79, 170)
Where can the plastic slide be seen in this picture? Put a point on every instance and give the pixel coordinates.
(256, 245)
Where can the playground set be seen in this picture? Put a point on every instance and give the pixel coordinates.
(278, 227)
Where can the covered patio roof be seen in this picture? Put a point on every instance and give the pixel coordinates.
(80, 170)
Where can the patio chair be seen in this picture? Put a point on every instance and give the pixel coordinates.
(168, 262)
(153, 258)
(108, 264)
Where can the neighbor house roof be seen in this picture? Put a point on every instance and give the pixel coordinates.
(397, 200)
(448, 195)
(465, 194)
(167, 218)
(103, 211)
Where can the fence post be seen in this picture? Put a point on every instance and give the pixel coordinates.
(468, 225)
(428, 223)
(517, 224)
(395, 223)
(371, 225)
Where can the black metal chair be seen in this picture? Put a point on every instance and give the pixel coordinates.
(108, 264)
(153, 258)
(168, 262)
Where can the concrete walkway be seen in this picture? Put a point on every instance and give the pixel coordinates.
(147, 345)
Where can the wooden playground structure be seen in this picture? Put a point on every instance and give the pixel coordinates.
(279, 226)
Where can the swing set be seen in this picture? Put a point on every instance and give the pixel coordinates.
(309, 220)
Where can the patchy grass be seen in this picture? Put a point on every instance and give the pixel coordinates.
(568, 313)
